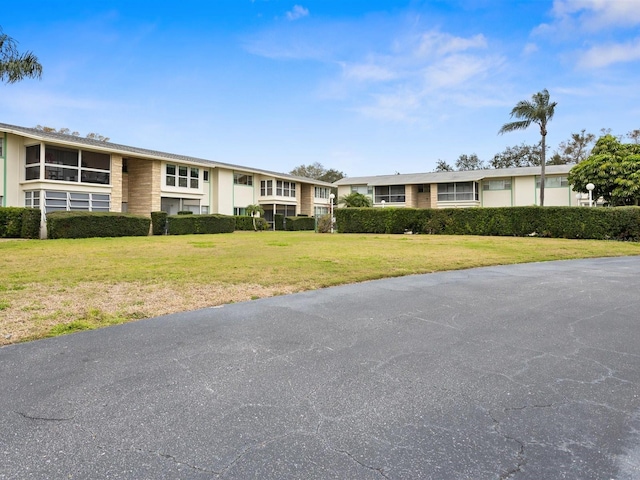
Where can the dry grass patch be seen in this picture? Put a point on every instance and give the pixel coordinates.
(59, 286)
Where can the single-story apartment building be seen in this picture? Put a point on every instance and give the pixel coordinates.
(54, 171)
(502, 187)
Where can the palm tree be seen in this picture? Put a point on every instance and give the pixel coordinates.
(15, 66)
(355, 199)
(538, 111)
(255, 211)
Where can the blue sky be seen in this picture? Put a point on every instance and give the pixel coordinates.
(364, 86)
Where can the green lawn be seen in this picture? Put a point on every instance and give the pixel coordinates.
(59, 286)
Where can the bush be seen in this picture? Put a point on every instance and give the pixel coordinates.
(244, 222)
(300, 223)
(159, 223)
(278, 218)
(18, 222)
(11, 222)
(196, 224)
(324, 224)
(96, 224)
(185, 212)
(31, 219)
(622, 223)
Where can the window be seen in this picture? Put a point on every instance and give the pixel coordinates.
(92, 202)
(503, 184)
(242, 179)
(68, 165)
(205, 175)
(553, 182)
(424, 188)
(32, 199)
(182, 176)
(390, 194)
(363, 189)
(239, 211)
(1, 144)
(286, 210)
(320, 211)
(322, 192)
(266, 188)
(285, 189)
(458, 192)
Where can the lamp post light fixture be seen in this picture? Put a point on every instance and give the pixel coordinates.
(382, 202)
(331, 197)
(590, 187)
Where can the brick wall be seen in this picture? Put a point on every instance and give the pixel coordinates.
(305, 199)
(116, 183)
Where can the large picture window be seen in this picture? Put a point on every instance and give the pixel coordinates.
(242, 179)
(68, 165)
(322, 192)
(498, 184)
(182, 176)
(75, 201)
(285, 189)
(553, 182)
(390, 194)
(458, 192)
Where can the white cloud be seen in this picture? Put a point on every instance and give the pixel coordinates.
(605, 55)
(530, 48)
(439, 44)
(598, 14)
(367, 72)
(297, 12)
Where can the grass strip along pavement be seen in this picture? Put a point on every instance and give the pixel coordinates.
(54, 287)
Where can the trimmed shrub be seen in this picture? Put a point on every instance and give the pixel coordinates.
(185, 212)
(279, 221)
(244, 222)
(621, 223)
(159, 223)
(31, 218)
(197, 224)
(324, 224)
(11, 222)
(300, 223)
(96, 224)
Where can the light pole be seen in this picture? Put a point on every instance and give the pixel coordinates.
(579, 199)
(331, 197)
(590, 187)
(382, 202)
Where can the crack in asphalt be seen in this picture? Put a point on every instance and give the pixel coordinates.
(44, 419)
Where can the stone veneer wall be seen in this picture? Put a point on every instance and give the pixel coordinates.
(434, 195)
(144, 186)
(116, 183)
(424, 198)
(305, 201)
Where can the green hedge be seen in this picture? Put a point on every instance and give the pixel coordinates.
(300, 223)
(96, 224)
(159, 222)
(18, 222)
(278, 218)
(194, 224)
(622, 223)
(244, 222)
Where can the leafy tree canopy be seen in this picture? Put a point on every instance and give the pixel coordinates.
(470, 162)
(519, 156)
(442, 166)
(317, 172)
(614, 170)
(574, 150)
(16, 66)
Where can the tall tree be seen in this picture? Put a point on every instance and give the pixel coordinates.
(574, 150)
(16, 66)
(469, 162)
(522, 155)
(317, 172)
(539, 111)
(442, 166)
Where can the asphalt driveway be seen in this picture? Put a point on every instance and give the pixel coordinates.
(523, 372)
